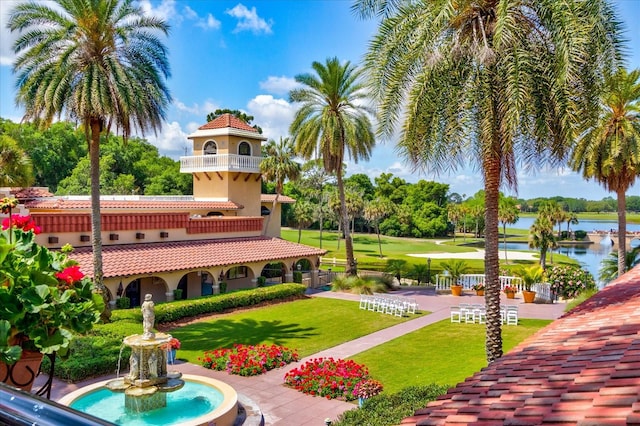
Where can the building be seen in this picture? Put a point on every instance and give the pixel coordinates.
(193, 243)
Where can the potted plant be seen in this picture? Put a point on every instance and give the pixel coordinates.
(366, 389)
(530, 275)
(45, 298)
(455, 268)
(510, 291)
(479, 289)
(171, 347)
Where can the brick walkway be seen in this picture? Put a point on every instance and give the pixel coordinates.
(284, 406)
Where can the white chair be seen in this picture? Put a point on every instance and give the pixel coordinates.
(456, 314)
(481, 314)
(512, 315)
(400, 309)
(469, 316)
(364, 300)
(411, 306)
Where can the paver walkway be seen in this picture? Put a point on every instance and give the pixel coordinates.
(286, 407)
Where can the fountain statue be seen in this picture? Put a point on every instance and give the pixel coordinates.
(153, 395)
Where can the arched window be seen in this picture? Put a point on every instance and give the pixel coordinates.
(210, 148)
(244, 148)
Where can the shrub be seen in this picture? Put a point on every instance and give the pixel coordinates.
(383, 409)
(223, 287)
(297, 277)
(580, 234)
(123, 303)
(327, 377)
(248, 360)
(261, 281)
(569, 281)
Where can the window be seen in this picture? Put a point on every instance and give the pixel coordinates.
(244, 148)
(210, 148)
(237, 272)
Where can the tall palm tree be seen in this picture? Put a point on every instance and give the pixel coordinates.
(99, 62)
(493, 80)
(302, 215)
(507, 215)
(609, 150)
(541, 237)
(15, 166)
(278, 166)
(376, 210)
(332, 120)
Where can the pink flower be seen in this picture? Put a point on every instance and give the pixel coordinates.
(70, 274)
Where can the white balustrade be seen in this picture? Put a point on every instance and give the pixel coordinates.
(220, 163)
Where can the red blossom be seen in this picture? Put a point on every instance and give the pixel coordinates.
(21, 222)
(70, 274)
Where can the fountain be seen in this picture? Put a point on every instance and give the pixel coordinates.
(153, 395)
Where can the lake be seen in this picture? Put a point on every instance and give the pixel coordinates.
(589, 256)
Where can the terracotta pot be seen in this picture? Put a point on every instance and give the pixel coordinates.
(23, 373)
(511, 295)
(456, 290)
(529, 296)
(479, 292)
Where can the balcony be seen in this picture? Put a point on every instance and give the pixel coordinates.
(220, 163)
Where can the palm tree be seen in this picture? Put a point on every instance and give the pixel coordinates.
(302, 215)
(15, 165)
(332, 120)
(507, 215)
(609, 265)
(454, 213)
(278, 166)
(491, 80)
(541, 237)
(609, 150)
(376, 210)
(572, 219)
(99, 62)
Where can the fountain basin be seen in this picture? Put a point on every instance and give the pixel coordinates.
(202, 401)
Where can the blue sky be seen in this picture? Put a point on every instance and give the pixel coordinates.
(244, 55)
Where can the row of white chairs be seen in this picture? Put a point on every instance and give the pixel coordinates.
(471, 313)
(388, 303)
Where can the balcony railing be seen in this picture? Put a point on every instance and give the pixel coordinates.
(220, 163)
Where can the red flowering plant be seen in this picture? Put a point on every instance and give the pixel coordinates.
(173, 343)
(248, 360)
(367, 388)
(328, 377)
(44, 297)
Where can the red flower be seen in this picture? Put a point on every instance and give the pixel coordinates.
(70, 274)
(21, 222)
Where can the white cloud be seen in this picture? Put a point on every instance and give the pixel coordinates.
(248, 20)
(279, 85)
(197, 110)
(166, 10)
(7, 38)
(273, 115)
(208, 23)
(171, 140)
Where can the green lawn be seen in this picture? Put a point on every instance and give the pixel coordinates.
(444, 353)
(308, 325)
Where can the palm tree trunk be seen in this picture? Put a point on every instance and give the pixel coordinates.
(96, 222)
(350, 268)
(504, 238)
(622, 231)
(379, 243)
(493, 343)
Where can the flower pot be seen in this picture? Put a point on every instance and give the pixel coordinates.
(22, 374)
(529, 296)
(171, 356)
(456, 290)
(479, 292)
(361, 401)
(511, 294)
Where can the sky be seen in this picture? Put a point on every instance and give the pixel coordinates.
(245, 54)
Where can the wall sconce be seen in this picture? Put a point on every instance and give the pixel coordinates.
(53, 240)
(114, 237)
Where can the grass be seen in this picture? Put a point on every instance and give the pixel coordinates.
(308, 325)
(443, 353)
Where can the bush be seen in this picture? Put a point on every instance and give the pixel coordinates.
(327, 377)
(223, 287)
(384, 410)
(580, 234)
(297, 277)
(569, 281)
(123, 303)
(261, 281)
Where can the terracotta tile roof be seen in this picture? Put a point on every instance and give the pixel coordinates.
(227, 120)
(268, 198)
(151, 258)
(23, 194)
(69, 204)
(583, 369)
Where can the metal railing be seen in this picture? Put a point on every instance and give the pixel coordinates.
(443, 282)
(220, 163)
